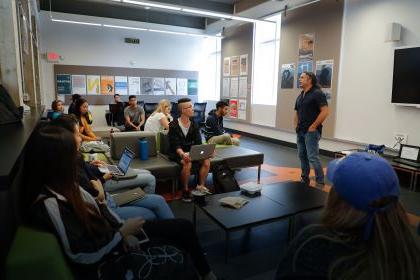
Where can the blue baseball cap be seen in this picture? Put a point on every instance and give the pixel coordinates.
(361, 178)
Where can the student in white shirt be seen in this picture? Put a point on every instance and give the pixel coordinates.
(159, 120)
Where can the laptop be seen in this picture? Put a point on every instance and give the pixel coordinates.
(201, 152)
(409, 155)
(123, 164)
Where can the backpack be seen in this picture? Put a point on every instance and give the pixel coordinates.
(224, 179)
(9, 113)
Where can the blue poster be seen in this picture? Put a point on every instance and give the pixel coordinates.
(303, 66)
(192, 87)
(63, 82)
(121, 85)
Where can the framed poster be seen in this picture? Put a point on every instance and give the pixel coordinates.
(192, 87)
(244, 64)
(233, 108)
(287, 75)
(78, 84)
(234, 87)
(306, 46)
(181, 86)
(170, 86)
(226, 66)
(146, 86)
(158, 86)
(234, 66)
(93, 84)
(63, 83)
(324, 72)
(303, 66)
(121, 85)
(243, 87)
(226, 85)
(134, 85)
(107, 85)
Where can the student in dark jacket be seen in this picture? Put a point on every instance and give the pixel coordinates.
(214, 131)
(183, 134)
(72, 106)
(364, 231)
(89, 232)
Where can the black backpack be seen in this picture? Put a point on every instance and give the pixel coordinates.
(224, 179)
(9, 113)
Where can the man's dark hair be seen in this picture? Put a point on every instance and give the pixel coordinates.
(131, 96)
(313, 78)
(75, 97)
(182, 100)
(221, 104)
(115, 95)
(65, 121)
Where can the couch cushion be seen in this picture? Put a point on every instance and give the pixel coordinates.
(36, 255)
(104, 131)
(120, 140)
(160, 167)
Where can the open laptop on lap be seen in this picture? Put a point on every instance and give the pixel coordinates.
(202, 152)
(409, 155)
(123, 164)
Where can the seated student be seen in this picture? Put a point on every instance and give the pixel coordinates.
(184, 133)
(72, 107)
(58, 109)
(364, 232)
(82, 114)
(133, 115)
(159, 120)
(92, 236)
(152, 206)
(214, 132)
(119, 110)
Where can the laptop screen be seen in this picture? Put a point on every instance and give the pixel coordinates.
(125, 160)
(409, 152)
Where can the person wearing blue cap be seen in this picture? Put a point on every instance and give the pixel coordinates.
(364, 231)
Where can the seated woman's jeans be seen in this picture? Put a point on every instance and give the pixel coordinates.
(151, 207)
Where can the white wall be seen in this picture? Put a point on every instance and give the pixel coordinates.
(364, 110)
(99, 46)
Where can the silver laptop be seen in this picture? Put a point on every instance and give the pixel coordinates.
(201, 152)
(409, 155)
(123, 164)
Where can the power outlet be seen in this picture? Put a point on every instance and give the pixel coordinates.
(400, 138)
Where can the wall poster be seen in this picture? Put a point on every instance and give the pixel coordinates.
(324, 72)
(121, 85)
(306, 46)
(244, 64)
(288, 75)
(226, 66)
(63, 84)
(93, 83)
(134, 85)
(78, 84)
(234, 66)
(107, 85)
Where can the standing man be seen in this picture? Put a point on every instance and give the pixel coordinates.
(183, 134)
(133, 114)
(214, 131)
(311, 109)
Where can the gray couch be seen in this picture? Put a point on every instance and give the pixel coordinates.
(164, 169)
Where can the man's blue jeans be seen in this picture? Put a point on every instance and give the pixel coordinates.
(308, 149)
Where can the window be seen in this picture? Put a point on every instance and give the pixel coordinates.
(266, 61)
(209, 75)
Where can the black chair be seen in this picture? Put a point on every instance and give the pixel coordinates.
(174, 110)
(200, 113)
(140, 103)
(149, 108)
(117, 114)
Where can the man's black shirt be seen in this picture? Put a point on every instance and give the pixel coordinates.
(308, 106)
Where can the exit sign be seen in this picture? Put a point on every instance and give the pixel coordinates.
(132, 40)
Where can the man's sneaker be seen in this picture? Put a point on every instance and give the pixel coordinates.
(186, 196)
(305, 181)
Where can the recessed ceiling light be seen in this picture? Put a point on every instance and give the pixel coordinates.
(76, 22)
(124, 27)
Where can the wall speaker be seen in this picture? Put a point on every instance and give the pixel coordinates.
(393, 32)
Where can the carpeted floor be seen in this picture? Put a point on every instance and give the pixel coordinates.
(256, 253)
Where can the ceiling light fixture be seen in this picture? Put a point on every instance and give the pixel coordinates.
(192, 11)
(151, 4)
(124, 27)
(76, 22)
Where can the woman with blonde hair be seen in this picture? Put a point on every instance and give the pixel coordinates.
(364, 231)
(159, 120)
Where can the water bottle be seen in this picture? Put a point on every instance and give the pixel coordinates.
(143, 149)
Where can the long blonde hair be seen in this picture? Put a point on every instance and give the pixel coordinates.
(391, 252)
(161, 106)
